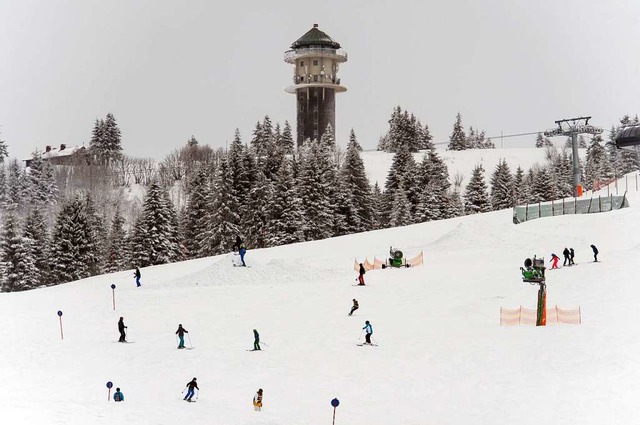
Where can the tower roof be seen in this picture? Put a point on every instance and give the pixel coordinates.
(315, 37)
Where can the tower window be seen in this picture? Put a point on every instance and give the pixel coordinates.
(315, 63)
(301, 63)
(315, 78)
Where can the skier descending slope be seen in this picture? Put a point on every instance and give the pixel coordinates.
(191, 386)
(554, 261)
(137, 275)
(180, 332)
(257, 400)
(242, 251)
(355, 306)
(361, 273)
(595, 253)
(368, 329)
(121, 328)
(256, 340)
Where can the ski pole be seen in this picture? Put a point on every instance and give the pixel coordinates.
(264, 343)
(190, 345)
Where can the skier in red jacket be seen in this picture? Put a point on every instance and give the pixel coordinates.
(554, 261)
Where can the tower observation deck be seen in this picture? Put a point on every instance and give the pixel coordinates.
(316, 58)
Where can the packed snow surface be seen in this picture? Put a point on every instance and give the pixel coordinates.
(442, 358)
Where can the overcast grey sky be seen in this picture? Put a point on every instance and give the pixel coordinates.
(168, 69)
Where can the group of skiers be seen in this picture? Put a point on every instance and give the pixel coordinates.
(569, 255)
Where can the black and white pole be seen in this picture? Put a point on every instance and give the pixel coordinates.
(335, 403)
(113, 291)
(60, 317)
(109, 385)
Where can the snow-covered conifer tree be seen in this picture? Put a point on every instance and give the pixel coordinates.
(117, 251)
(476, 198)
(16, 260)
(286, 219)
(544, 187)
(521, 190)
(286, 141)
(4, 151)
(223, 219)
(71, 243)
(457, 140)
(196, 213)
(402, 173)
(155, 239)
(35, 229)
(358, 190)
(502, 188)
(316, 184)
(258, 212)
(400, 214)
(597, 168)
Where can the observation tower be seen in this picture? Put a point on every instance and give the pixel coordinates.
(316, 58)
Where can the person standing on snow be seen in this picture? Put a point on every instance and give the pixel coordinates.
(118, 396)
(236, 245)
(361, 272)
(554, 261)
(595, 253)
(191, 385)
(121, 328)
(257, 400)
(571, 255)
(242, 251)
(566, 254)
(368, 331)
(180, 332)
(137, 275)
(355, 306)
(256, 340)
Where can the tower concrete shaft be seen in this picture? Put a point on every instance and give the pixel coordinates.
(316, 58)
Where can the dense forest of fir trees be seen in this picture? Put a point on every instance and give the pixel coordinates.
(67, 222)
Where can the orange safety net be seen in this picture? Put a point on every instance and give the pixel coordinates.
(418, 260)
(376, 265)
(527, 316)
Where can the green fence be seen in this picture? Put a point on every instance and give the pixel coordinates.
(569, 206)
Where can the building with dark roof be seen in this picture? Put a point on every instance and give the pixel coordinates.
(62, 155)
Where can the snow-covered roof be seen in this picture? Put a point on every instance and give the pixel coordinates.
(58, 151)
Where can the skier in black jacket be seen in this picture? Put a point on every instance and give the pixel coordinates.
(191, 385)
(180, 332)
(571, 255)
(566, 254)
(595, 253)
(121, 328)
(355, 306)
(361, 272)
(256, 340)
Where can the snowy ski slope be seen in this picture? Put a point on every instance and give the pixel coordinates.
(442, 356)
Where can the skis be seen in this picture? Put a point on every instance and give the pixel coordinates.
(190, 401)
(363, 344)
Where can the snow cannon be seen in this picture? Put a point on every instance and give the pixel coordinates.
(396, 258)
(533, 270)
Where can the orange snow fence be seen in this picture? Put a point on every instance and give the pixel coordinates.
(367, 265)
(527, 316)
(377, 264)
(418, 260)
